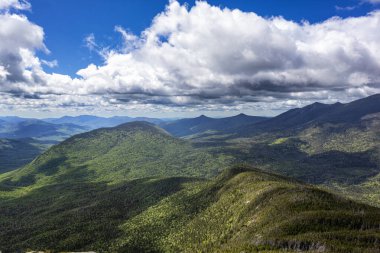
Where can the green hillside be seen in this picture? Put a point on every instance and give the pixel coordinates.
(242, 210)
(135, 188)
(113, 155)
(336, 145)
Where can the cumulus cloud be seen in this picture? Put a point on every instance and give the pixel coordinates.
(207, 53)
(206, 57)
(19, 39)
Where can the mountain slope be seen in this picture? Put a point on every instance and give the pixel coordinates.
(17, 153)
(248, 211)
(129, 151)
(317, 113)
(201, 124)
(242, 210)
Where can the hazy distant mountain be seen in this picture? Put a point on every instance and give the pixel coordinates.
(94, 122)
(33, 128)
(185, 127)
(13, 119)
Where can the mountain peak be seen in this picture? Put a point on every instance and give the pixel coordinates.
(317, 105)
(136, 124)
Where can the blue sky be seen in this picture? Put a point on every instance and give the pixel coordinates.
(67, 23)
(185, 58)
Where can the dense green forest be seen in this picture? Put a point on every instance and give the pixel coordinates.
(241, 210)
(136, 188)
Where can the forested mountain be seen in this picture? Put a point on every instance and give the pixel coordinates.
(129, 151)
(241, 210)
(137, 188)
(317, 114)
(201, 124)
(336, 145)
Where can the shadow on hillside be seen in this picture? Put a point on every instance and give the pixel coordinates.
(16, 154)
(338, 166)
(78, 216)
(288, 159)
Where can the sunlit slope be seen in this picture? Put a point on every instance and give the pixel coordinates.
(243, 210)
(129, 151)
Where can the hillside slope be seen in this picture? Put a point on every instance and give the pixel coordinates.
(112, 155)
(17, 153)
(242, 210)
(335, 145)
(316, 114)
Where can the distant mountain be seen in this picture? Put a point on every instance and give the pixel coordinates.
(336, 145)
(318, 113)
(201, 124)
(38, 129)
(94, 122)
(13, 119)
(243, 210)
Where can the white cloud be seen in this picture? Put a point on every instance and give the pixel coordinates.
(14, 4)
(90, 43)
(19, 40)
(50, 64)
(206, 58)
(211, 52)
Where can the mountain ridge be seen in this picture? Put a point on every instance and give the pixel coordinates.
(201, 124)
(316, 113)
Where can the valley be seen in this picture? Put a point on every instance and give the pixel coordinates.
(305, 186)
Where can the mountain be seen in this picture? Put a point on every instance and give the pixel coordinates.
(94, 122)
(242, 210)
(335, 145)
(318, 113)
(22, 140)
(38, 129)
(201, 124)
(17, 153)
(13, 119)
(136, 188)
(128, 151)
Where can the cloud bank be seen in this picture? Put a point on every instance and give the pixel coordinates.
(203, 58)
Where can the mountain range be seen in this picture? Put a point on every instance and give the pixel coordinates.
(306, 180)
(201, 124)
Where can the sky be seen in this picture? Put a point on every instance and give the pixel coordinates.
(185, 58)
